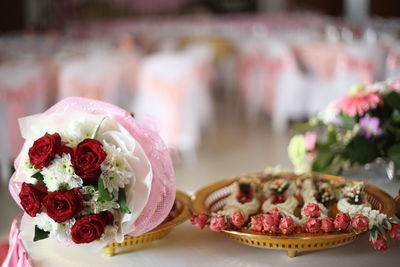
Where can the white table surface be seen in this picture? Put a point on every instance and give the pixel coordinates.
(189, 246)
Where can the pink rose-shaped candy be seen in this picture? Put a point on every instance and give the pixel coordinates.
(313, 225)
(360, 223)
(299, 229)
(312, 210)
(327, 224)
(237, 219)
(218, 223)
(287, 225)
(256, 223)
(275, 213)
(394, 232)
(380, 244)
(270, 223)
(199, 220)
(342, 221)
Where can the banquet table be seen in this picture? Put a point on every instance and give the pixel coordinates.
(189, 246)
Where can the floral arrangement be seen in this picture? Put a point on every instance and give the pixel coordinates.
(354, 213)
(75, 188)
(84, 179)
(355, 129)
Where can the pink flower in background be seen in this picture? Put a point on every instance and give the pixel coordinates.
(237, 219)
(199, 220)
(394, 232)
(299, 229)
(394, 85)
(360, 223)
(379, 244)
(287, 225)
(358, 103)
(310, 139)
(327, 224)
(218, 223)
(369, 126)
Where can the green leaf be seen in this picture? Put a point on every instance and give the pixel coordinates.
(386, 224)
(244, 187)
(394, 153)
(373, 234)
(40, 234)
(38, 176)
(322, 161)
(395, 116)
(96, 131)
(47, 134)
(361, 150)
(104, 195)
(393, 99)
(348, 122)
(122, 201)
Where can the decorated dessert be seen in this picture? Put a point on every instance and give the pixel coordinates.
(308, 206)
(89, 174)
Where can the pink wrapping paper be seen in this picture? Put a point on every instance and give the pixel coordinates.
(162, 194)
(16, 256)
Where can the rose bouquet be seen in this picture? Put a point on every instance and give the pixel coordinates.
(355, 129)
(88, 174)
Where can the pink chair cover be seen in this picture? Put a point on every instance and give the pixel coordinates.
(17, 255)
(162, 194)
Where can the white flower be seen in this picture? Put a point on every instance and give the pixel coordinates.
(92, 206)
(329, 115)
(63, 231)
(44, 222)
(27, 170)
(60, 174)
(115, 172)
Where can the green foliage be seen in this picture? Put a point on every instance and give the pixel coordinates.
(361, 150)
(40, 234)
(38, 176)
(104, 195)
(122, 201)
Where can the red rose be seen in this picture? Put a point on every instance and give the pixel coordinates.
(275, 213)
(299, 229)
(287, 225)
(31, 198)
(327, 224)
(199, 220)
(88, 228)
(256, 222)
(313, 225)
(237, 219)
(379, 244)
(270, 223)
(312, 210)
(108, 217)
(394, 232)
(88, 156)
(278, 199)
(43, 150)
(64, 149)
(342, 221)
(218, 223)
(360, 223)
(64, 204)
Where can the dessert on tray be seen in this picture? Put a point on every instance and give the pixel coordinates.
(296, 210)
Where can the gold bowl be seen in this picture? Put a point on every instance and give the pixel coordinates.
(213, 197)
(177, 216)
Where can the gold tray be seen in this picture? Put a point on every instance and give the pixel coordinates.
(213, 197)
(183, 213)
